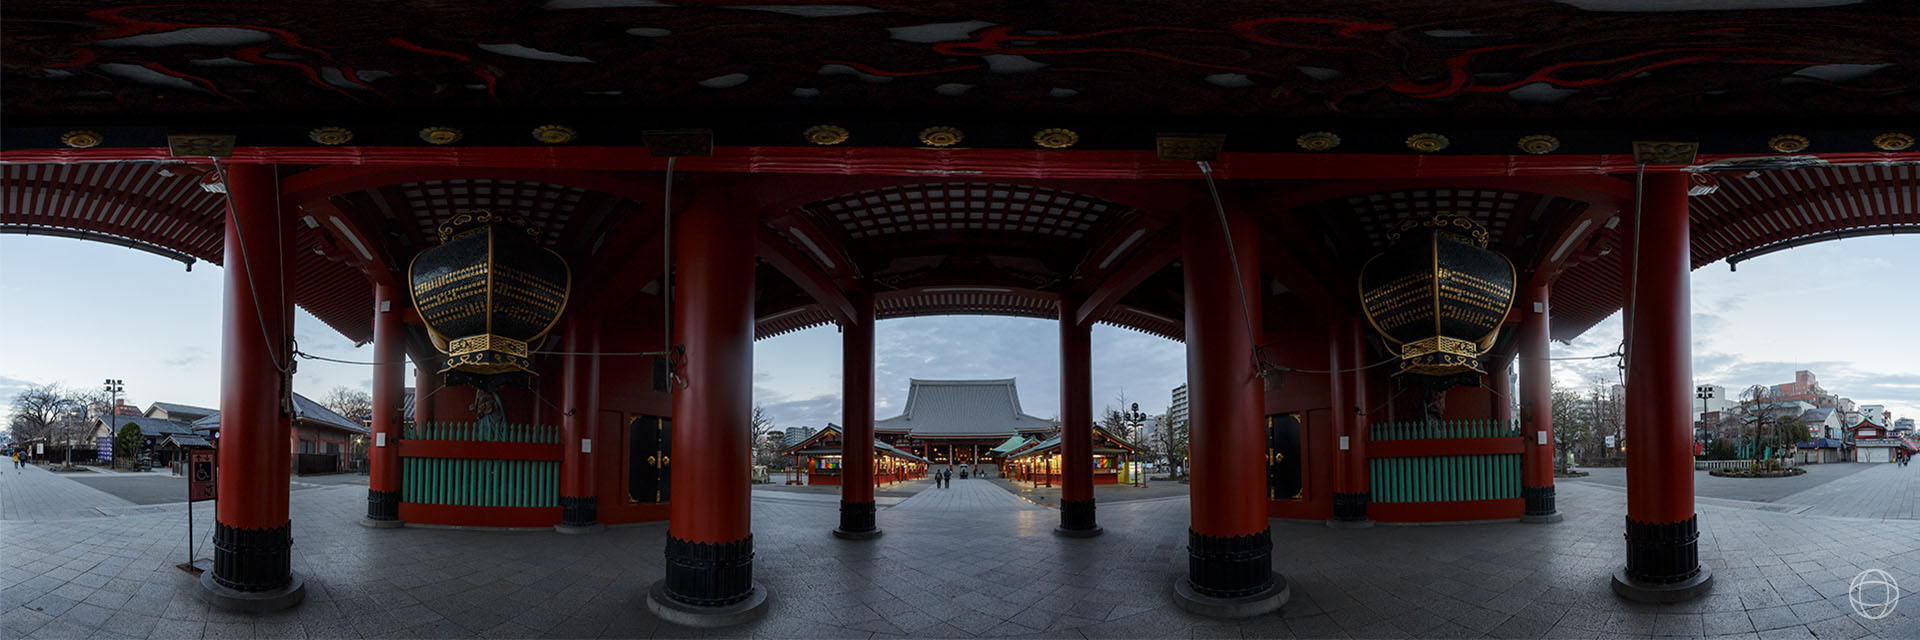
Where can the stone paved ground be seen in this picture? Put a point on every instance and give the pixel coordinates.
(35, 493)
(1102, 493)
(944, 571)
(1750, 489)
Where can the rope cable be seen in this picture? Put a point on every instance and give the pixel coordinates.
(246, 265)
(1261, 367)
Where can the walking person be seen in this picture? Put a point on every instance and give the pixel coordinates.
(949, 477)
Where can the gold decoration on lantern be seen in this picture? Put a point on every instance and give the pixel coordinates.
(330, 135)
(1789, 143)
(1318, 141)
(1539, 144)
(1893, 142)
(941, 136)
(440, 135)
(1056, 138)
(554, 134)
(1426, 142)
(827, 135)
(82, 138)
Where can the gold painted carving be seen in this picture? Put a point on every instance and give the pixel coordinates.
(1427, 142)
(1189, 147)
(941, 136)
(82, 138)
(1539, 144)
(1893, 142)
(827, 135)
(1056, 138)
(1318, 141)
(554, 134)
(1789, 143)
(330, 135)
(440, 135)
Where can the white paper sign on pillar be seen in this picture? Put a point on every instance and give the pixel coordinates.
(380, 439)
(586, 445)
(1343, 443)
(1542, 435)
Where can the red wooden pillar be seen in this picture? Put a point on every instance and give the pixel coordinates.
(1229, 545)
(579, 502)
(1347, 346)
(1536, 408)
(1663, 559)
(389, 351)
(856, 380)
(709, 551)
(252, 533)
(1076, 426)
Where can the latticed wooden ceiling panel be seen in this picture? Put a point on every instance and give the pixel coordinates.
(966, 207)
(1375, 214)
(548, 208)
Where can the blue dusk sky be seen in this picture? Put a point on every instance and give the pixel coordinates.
(78, 312)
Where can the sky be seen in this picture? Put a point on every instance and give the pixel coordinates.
(78, 312)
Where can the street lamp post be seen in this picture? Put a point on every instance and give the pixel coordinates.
(113, 387)
(1135, 419)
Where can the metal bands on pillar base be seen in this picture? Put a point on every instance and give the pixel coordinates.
(383, 510)
(1230, 566)
(1540, 505)
(579, 515)
(709, 574)
(252, 570)
(1350, 511)
(1076, 520)
(1663, 563)
(856, 521)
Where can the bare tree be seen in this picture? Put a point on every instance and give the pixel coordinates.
(1170, 440)
(765, 451)
(37, 408)
(1757, 401)
(353, 404)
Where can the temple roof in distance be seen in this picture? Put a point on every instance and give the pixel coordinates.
(814, 445)
(963, 409)
(1105, 443)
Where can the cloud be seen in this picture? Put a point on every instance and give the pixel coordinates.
(188, 357)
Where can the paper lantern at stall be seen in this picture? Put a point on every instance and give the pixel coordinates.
(1438, 295)
(487, 293)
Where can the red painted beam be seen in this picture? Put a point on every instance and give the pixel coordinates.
(1452, 511)
(803, 271)
(469, 516)
(1149, 258)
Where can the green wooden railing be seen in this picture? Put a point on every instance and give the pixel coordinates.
(476, 432)
(1445, 478)
(481, 483)
(1444, 429)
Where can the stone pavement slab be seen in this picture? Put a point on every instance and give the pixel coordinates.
(961, 562)
(1747, 489)
(34, 493)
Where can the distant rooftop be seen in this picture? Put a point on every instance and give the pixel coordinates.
(963, 409)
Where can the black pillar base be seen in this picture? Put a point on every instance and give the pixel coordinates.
(1231, 576)
(1230, 566)
(252, 559)
(1540, 505)
(1663, 562)
(579, 515)
(252, 569)
(1350, 511)
(857, 521)
(1076, 520)
(383, 510)
(709, 574)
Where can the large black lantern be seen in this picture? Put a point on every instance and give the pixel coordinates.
(1438, 295)
(486, 293)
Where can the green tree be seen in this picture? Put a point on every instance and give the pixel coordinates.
(129, 444)
(1787, 432)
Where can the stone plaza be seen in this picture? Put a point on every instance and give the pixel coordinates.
(970, 561)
